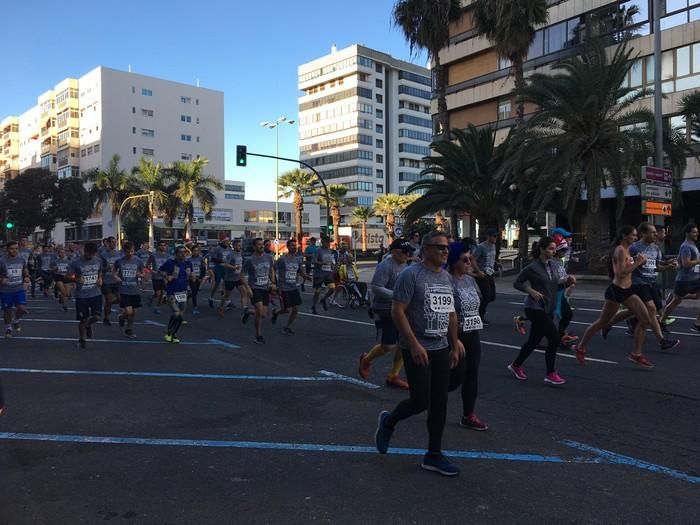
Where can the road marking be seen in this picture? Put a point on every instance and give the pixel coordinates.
(348, 379)
(336, 319)
(624, 328)
(73, 321)
(212, 342)
(154, 323)
(597, 311)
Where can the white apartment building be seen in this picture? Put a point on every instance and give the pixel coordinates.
(82, 123)
(364, 121)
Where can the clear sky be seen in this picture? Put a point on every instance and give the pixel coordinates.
(248, 50)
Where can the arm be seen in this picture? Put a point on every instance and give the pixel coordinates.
(522, 283)
(686, 260)
(398, 314)
(457, 348)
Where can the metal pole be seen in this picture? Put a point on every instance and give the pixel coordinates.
(277, 191)
(151, 229)
(658, 121)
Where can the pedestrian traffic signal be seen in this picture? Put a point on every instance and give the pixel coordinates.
(9, 225)
(241, 155)
(330, 229)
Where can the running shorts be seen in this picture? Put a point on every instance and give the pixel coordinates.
(618, 295)
(112, 289)
(261, 296)
(219, 272)
(158, 285)
(321, 279)
(683, 288)
(126, 300)
(86, 308)
(385, 323)
(291, 298)
(12, 299)
(648, 292)
(231, 285)
(59, 278)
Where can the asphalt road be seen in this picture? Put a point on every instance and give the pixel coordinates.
(219, 430)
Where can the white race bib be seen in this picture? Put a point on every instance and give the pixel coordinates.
(325, 267)
(472, 324)
(181, 297)
(89, 279)
(129, 274)
(291, 276)
(441, 303)
(696, 268)
(14, 272)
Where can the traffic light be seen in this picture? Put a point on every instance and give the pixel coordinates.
(9, 225)
(241, 155)
(330, 230)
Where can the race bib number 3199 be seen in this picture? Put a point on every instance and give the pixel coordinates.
(441, 303)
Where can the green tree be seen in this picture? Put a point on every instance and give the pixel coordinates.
(360, 215)
(690, 108)
(71, 201)
(426, 26)
(388, 207)
(296, 183)
(510, 26)
(462, 176)
(334, 201)
(27, 201)
(187, 183)
(151, 177)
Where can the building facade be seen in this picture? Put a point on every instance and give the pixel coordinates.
(364, 121)
(480, 83)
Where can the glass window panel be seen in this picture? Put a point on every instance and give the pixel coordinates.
(555, 37)
(572, 32)
(675, 5)
(688, 83)
(694, 14)
(667, 87)
(667, 65)
(636, 73)
(674, 20)
(642, 7)
(696, 58)
(650, 69)
(683, 61)
(537, 47)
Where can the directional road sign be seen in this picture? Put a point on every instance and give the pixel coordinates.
(656, 208)
(656, 175)
(657, 192)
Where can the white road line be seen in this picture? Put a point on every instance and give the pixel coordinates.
(623, 328)
(578, 309)
(337, 319)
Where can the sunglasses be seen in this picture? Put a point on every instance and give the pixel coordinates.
(441, 247)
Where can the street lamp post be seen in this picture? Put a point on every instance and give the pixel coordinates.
(276, 126)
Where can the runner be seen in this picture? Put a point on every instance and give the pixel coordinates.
(155, 261)
(324, 265)
(687, 284)
(620, 291)
(45, 262)
(414, 240)
(308, 257)
(129, 272)
(289, 268)
(199, 275)
(466, 295)
(86, 271)
(383, 282)
(424, 313)
(176, 273)
(485, 263)
(60, 270)
(563, 310)
(217, 255)
(144, 254)
(110, 283)
(233, 264)
(540, 280)
(259, 275)
(13, 276)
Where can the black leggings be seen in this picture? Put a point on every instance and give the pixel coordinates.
(566, 315)
(542, 325)
(194, 290)
(487, 287)
(466, 373)
(428, 387)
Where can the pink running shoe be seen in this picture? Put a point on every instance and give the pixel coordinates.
(554, 379)
(580, 354)
(518, 372)
(640, 360)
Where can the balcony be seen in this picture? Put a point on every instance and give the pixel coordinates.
(48, 147)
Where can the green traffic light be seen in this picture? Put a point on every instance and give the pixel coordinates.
(9, 225)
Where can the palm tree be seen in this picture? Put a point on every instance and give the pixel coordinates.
(360, 215)
(425, 24)
(110, 187)
(510, 26)
(187, 183)
(584, 126)
(388, 207)
(335, 200)
(150, 177)
(690, 108)
(463, 179)
(297, 183)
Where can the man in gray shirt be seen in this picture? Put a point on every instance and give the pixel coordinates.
(424, 312)
(232, 264)
(110, 284)
(87, 273)
(289, 269)
(485, 257)
(324, 266)
(259, 275)
(13, 274)
(382, 294)
(129, 271)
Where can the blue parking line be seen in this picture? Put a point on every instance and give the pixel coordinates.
(210, 342)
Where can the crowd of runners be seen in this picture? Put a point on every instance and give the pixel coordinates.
(429, 299)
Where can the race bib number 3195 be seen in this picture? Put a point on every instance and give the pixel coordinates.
(441, 303)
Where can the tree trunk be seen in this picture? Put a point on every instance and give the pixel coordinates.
(441, 90)
(593, 249)
(390, 220)
(519, 75)
(454, 224)
(523, 239)
(299, 207)
(364, 237)
(335, 213)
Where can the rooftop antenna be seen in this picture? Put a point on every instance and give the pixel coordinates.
(197, 82)
(129, 68)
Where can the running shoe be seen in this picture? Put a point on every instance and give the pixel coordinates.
(313, 310)
(324, 304)
(82, 344)
(382, 435)
(473, 422)
(8, 332)
(65, 308)
(670, 320)
(364, 368)
(396, 382)
(130, 333)
(17, 327)
(275, 315)
(168, 338)
(568, 339)
(288, 331)
(246, 316)
(668, 344)
(520, 325)
(229, 305)
(122, 322)
(580, 354)
(695, 328)
(174, 340)
(260, 340)
(554, 379)
(640, 360)
(518, 372)
(605, 331)
(436, 462)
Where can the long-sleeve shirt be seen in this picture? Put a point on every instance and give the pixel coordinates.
(544, 279)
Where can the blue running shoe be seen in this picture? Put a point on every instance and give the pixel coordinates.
(437, 462)
(383, 433)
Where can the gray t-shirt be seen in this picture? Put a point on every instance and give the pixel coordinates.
(645, 274)
(234, 259)
(486, 257)
(46, 261)
(257, 271)
(12, 269)
(157, 260)
(430, 300)
(385, 276)
(90, 271)
(60, 266)
(688, 250)
(197, 266)
(324, 260)
(467, 303)
(109, 258)
(128, 270)
(288, 268)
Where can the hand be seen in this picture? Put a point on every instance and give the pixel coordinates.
(420, 355)
(480, 274)
(640, 259)
(273, 287)
(571, 280)
(536, 296)
(456, 354)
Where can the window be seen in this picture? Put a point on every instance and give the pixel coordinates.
(147, 151)
(413, 77)
(233, 196)
(407, 176)
(359, 186)
(197, 138)
(416, 121)
(412, 148)
(197, 120)
(186, 138)
(364, 92)
(89, 150)
(185, 156)
(133, 110)
(537, 47)
(414, 92)
(364, 61)
(379, 83)
(413, 134)
(379, 128)
(97, 148)
(341, 157)
(133, 130)
(380, 159)
(380, 188)
(504, 109)
(380, 173)
(365, 123)
(378, 68)
(555, 38)
(147, 132)
(351, 171)
(146, 92)
(133, 89)
(146, 112)
(82, 152)
(379, 143)
(196, 102)
(185, 118)
(133, 150)
(379, 98)
(234, 187)
(186, 100)
(379, 113)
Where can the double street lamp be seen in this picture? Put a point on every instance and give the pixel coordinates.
(275, 124)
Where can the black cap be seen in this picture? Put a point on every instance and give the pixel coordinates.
(401, 244)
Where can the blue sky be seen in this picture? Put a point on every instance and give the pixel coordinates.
(248, 50)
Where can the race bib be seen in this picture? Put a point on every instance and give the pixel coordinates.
(261, 281)
(291, 276)
(181, 297)
(14, 272)
(488, 271)
(90, 279)
(441, 303)
(325, 267)
(472, 324)
(129, 274)
(696, 268)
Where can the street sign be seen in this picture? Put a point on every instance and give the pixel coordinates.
(656, 208)
(656, 175)
(657, 192)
